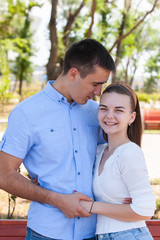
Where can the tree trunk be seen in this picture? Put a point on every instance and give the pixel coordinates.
(71, 19)
(93, 10)
(121, 31)
(20, 82)
(67, 29)
(51, 70)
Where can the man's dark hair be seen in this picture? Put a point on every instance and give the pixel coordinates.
(85, 54)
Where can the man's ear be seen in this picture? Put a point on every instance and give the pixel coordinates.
(73, 74)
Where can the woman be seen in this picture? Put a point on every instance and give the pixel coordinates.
(120, 169)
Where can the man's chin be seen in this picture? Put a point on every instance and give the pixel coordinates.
(84, 101)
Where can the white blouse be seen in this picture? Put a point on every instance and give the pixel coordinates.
(124, 175)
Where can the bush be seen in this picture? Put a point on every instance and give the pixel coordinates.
(144, 97)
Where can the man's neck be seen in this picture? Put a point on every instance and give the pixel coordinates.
(60, 85)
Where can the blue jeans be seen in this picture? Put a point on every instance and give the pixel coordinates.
(131, 234)
(32, 235)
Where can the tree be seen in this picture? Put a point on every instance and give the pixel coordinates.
(153, 69)
(16, 37)
(124, 31)
(23, 66)
(54, 41)
(52, 71)
(102, 20)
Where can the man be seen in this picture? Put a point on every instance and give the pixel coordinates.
(55, 133)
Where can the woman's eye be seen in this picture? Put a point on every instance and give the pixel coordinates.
(102, 109)
(119, 110)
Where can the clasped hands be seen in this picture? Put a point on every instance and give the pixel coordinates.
(76, 204)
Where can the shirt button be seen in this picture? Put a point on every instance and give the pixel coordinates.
(62, 98)
(78, 217)
(74, 129)
(76, 151)
(59, 101)
(79, 173)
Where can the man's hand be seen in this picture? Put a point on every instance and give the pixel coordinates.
(70, 205)
(86, 205)
(127, 201)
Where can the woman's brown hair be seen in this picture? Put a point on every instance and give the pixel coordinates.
(134, 131)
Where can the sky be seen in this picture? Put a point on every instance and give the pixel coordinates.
(41, 17)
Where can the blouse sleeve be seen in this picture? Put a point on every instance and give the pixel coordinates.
(135, 175)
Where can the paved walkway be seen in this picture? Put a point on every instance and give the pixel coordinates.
(151, 149)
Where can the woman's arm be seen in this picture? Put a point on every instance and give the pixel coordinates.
(133, 170)
(121, 212)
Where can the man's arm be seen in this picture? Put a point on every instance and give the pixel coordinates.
(13, 182)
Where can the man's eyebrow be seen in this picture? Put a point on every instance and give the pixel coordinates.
(98, 83)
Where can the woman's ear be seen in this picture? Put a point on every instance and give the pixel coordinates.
(133, 117)
(73, 73)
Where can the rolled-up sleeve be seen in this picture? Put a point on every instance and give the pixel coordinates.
(16, 139)
(135, 175)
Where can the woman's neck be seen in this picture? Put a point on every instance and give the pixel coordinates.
(116, 141)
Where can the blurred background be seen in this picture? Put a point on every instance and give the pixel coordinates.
(34, 36)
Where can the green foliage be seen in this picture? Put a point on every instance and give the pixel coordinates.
(5, 94)
(144, 97)
(153, 69)
(155, 181)
(157, 204)
(16, 37)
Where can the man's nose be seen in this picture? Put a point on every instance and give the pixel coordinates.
(97, 90)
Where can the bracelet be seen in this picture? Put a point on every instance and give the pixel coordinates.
(90, 211)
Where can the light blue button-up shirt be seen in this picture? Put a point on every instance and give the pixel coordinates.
(58, 143)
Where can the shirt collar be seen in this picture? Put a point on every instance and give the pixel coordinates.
(53, 93)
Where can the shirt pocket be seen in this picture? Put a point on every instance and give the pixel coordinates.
(52, 140)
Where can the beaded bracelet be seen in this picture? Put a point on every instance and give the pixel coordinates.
(91, 207)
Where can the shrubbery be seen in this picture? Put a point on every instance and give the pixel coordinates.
(144, 97)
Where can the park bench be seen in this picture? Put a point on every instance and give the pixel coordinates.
(16, 229)
(13, 229)
(151, 119)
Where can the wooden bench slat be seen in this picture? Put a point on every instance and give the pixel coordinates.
(12, 238)
(13, 229)
(16, 229)
(154, 228)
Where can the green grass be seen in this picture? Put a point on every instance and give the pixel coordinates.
(155, 181)
(151, 131)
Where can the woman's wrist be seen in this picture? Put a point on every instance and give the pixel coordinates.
(91, 207)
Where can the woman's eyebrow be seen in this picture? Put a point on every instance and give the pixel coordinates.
(102, 105)
(105, 106)
(120, 107)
